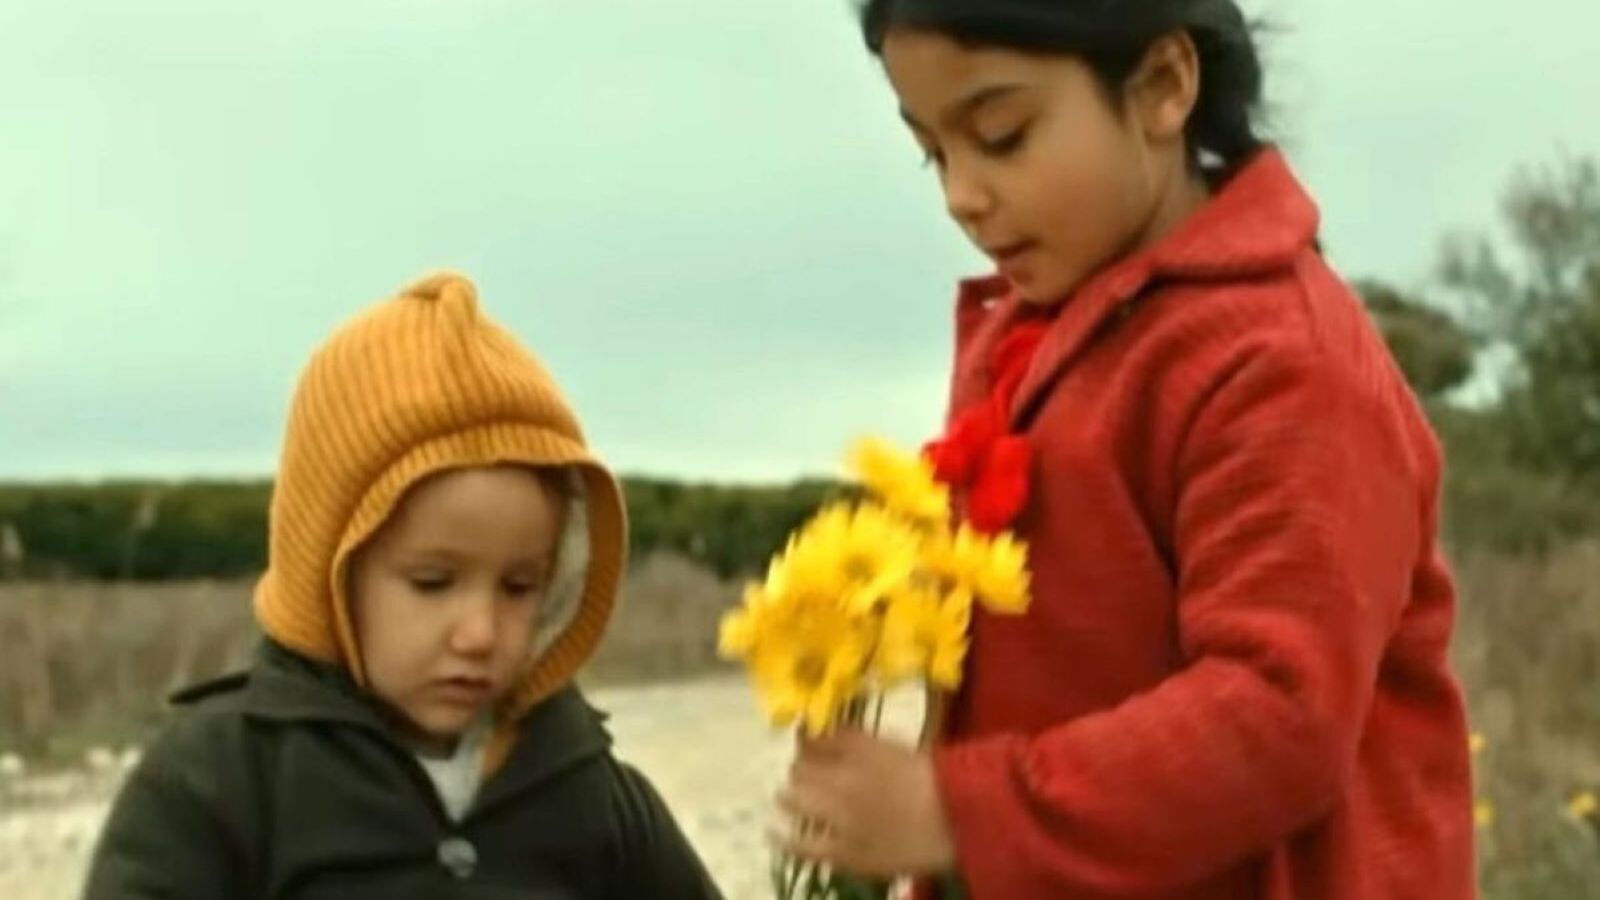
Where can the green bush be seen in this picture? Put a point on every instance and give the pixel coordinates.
(149, 531)
(142, 531)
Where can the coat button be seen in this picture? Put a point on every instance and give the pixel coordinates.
(458, 857)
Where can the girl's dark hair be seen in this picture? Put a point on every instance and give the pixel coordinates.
(1112, 37)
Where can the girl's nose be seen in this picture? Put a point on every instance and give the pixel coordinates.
(967, 198)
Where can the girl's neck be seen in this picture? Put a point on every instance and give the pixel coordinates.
(1186, 196)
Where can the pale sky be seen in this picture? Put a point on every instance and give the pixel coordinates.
(702, 213)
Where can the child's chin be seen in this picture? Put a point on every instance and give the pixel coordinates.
(1048, 290)
(445, 725)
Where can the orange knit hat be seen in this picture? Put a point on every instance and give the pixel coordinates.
(418, 385)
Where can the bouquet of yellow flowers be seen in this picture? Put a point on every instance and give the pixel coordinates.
(869, 595)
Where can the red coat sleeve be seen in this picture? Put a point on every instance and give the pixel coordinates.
(1297, 528)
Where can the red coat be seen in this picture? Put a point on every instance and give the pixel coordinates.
(1233, 681)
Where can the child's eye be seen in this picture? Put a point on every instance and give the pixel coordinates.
(932, 157)
(430, 582)
(521, 588)
(1006, 144)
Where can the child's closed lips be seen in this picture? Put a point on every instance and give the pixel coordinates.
(463, 690)
(1001, 250)
(1009, 256)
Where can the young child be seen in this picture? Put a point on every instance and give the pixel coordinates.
(444, 555)
(1233, 680)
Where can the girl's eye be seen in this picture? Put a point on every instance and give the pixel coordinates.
(1006, 144)
(430, 582)
(932, 156)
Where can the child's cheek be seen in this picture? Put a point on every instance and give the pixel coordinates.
(520, 629)
(391, 690)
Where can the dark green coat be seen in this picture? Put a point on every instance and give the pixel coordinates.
(284, 783)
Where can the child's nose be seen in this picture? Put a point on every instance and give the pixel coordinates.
(475, 628)
(967, 198)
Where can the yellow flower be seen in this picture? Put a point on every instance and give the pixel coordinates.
(905, 483)
(857, 554)
(1476, 742)
(1583, 806)
(741, 628)
(924, 635)
(948, 639)
(809, 663)
(993, 570)
(1483, 813)
(806, 653)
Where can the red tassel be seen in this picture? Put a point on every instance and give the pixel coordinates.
(956, 457)
(1001, 488)
(977, 453)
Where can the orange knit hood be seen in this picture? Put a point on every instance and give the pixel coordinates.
(417, 385)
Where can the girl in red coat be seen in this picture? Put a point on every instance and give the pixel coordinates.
(1233, 680)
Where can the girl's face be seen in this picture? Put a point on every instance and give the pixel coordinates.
(445, 598)
(1040, 168)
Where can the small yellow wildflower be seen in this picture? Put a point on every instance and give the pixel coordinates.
(1583, 806)
(809, 683)
(924, 636)
(854, 553)
(903, 482)
(736, 636)
(993, 570)
(869, 594)
(1476, 743)
(806, 654)
(1483, 813)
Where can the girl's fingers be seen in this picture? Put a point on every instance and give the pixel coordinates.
(802, 805)
(819, 776)
(818, 749)
(837, 744)
(812, 826)
(813, 844)
(850, 737)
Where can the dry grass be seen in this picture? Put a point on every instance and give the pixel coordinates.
(90, 663)
(1528, 649)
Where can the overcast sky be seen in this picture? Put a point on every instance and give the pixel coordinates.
(702, 213)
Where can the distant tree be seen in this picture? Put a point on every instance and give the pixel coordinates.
(1536, 289)
(1433, 349)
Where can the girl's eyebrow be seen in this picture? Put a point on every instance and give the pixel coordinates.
(965, 106)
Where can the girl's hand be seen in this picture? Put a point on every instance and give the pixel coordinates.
(866, 806)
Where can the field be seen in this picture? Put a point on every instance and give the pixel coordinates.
(82, 668)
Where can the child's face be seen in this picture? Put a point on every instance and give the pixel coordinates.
(1042, 171)
(445, 596)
